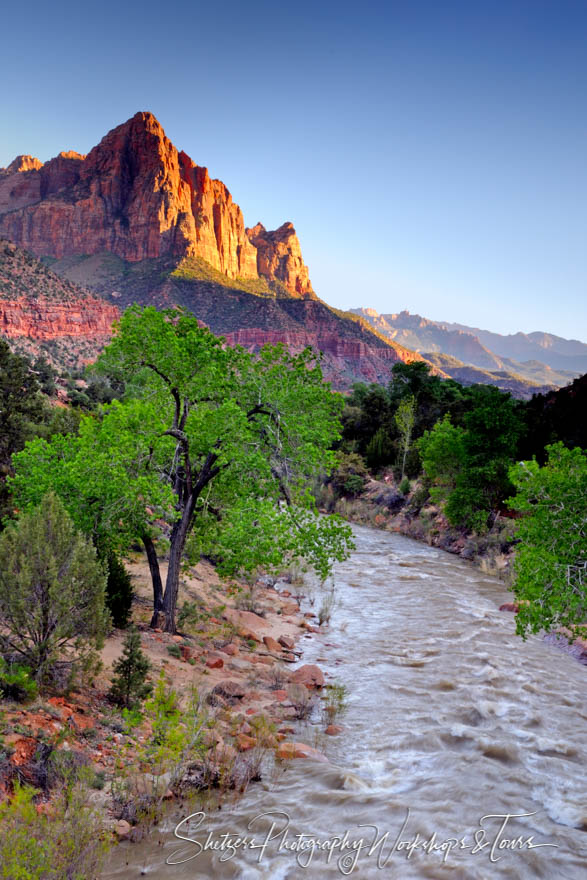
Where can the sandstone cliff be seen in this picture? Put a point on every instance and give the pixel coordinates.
(38, 307)
(136, 196)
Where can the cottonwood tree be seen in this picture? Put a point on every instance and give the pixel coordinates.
(100, 475)
(550, 568)
(220, 443)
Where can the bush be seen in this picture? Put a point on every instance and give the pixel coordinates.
(350, 476)
(16, 683)
(52, 590)
(405, 486)
(65, 845)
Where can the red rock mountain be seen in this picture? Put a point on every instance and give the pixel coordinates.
(136, 220)
(135, 195)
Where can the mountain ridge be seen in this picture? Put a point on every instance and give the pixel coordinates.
(544, 365)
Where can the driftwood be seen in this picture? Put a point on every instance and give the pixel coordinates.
(275, 657)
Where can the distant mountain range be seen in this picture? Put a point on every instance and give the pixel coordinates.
(136, 220)
(540, 358)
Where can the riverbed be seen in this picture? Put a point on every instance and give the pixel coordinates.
(462, 755)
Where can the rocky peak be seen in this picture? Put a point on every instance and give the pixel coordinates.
(279, 256)
(23, 163)
(136, 196)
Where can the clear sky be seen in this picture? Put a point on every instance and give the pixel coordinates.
(432, 155)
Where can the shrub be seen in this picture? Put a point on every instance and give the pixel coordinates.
(327, 607)
(129, 687)
(174, 650)
(189, 615)
(301, 700)
(350, 476)
(66, 844)
(16, 683)
(404, 486)
(335, 701)
(52, 590)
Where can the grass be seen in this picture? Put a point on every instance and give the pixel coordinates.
(197, 269)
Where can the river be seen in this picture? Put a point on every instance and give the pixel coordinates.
(453, 724)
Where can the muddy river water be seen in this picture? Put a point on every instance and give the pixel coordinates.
(463, 753)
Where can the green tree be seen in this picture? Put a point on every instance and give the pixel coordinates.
(550, 568)
(129, 687)
(51, 591)
(405, 419)
(21, 408)
(442, 451)
(119, 591)
(221, 443)
(469, 465)
(102, 477)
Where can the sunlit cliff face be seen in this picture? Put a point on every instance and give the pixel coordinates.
(136, 196)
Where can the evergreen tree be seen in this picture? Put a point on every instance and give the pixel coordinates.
(51, 590)
(129, 687)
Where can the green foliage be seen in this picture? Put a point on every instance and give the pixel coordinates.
(468, 465)
(97, 475)
(190, 615)
(404, 486)
(129, 687)
(21, 405)
(405, 419)
(220, 443)
(550, 569)
(16, 682)
(335, 701)
(349, 476)
(21, 411)
(66, 845)
(45, 375)
(442, 451)
(174, 651)
(51, 590)
(119, 591)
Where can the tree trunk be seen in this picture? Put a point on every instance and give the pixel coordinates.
(178, 538)
(155, 578)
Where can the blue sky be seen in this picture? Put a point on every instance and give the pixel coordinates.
(432, 155)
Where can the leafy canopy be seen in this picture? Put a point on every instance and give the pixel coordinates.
(550, 568)
(212, 443)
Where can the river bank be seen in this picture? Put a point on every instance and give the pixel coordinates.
(381, 505)
(450, 717)
(235, 648)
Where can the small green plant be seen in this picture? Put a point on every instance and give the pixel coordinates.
(99, 780)
(132, 718)
(335, 701)
(129, 686)
(190, 615)
(252, 644)
(175, 743)
(174, 651)
(17, 683)
(405, 486)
